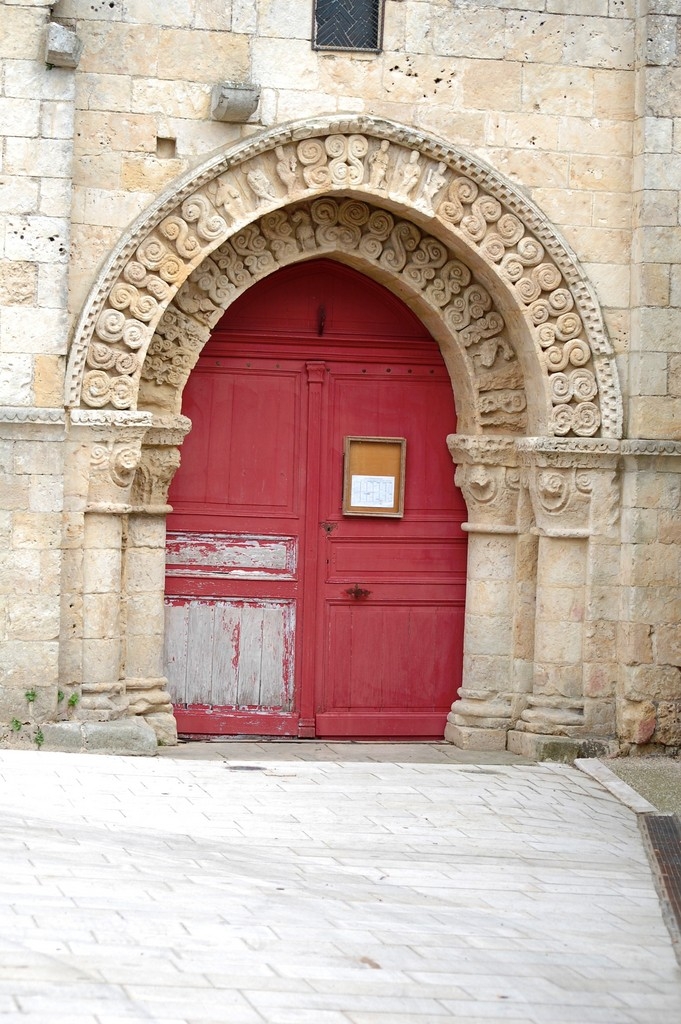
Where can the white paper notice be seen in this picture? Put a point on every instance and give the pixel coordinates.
(372, 491)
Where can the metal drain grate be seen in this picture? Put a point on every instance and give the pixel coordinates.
(663, 834)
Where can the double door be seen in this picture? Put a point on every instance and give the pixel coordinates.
(286, 616)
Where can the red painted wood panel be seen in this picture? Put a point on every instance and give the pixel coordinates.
(312, 354)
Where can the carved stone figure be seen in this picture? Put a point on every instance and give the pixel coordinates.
(286, 167)
(261, 185)
(411, 172)
(378, 166)
(435, 180)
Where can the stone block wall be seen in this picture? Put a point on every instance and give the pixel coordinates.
(649, 705)
(36, 126)
(544, 91)
(36, 121)
(577, 103)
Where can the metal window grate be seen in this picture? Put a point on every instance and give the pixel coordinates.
(348, 25)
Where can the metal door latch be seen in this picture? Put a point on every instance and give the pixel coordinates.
(357, 592)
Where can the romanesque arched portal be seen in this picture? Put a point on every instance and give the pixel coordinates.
(533, 375)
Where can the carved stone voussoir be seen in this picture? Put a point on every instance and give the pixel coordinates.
(204, 231)
(573, 485)
(419, 263)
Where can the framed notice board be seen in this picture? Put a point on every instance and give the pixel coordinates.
(373, 476)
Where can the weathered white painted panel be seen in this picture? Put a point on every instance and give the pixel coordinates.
(250, 656)
(200, 653)
(226, 653)
(240, 556)
(274, 654)
(176, 651)
(230, 652)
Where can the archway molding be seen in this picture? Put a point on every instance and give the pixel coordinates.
(503, 294)
(534, 378)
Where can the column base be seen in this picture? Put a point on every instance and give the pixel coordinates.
(471, 738)
(148, 695)
(102, 702)
(543, 747)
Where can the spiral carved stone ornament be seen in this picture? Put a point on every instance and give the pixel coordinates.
(418, 260)
(469, 207)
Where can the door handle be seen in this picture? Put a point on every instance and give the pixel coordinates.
(357, 592)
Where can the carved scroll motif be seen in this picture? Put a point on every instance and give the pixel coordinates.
(425, 263)
(542, 290)
(136, 301)
(198, 247)
(573, 484)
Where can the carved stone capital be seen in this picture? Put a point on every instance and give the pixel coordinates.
(487, 473)
(573, 485)
(112, 452)
(159, 461)
(112, 468)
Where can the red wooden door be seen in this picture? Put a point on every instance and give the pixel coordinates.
(263, 633)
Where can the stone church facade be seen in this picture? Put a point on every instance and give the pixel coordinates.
(509, 169)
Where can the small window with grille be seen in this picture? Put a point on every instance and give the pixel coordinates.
(348, 25)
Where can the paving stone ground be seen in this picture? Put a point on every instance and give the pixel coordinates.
(317, 884)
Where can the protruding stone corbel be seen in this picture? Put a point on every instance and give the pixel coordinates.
(63, 47)
(487, 471)
(234, 102)
(573, 484)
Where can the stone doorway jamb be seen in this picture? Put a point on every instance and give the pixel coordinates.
(574, 489)
(488, 474)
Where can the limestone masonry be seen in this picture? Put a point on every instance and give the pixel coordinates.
(511, 170)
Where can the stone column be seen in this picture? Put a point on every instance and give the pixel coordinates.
(104, 450)
(572, 485)
(488, 475)
(146, 686)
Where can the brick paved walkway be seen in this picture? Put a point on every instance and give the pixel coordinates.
(280, 888)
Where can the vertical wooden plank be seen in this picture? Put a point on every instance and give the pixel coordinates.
(273, 667)
(226, 649)
(200, 653)
(250, 656)
(175, 654)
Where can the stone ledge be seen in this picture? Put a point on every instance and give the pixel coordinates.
(31, 414)
(131, 736)
(540, 747)
(625, 794)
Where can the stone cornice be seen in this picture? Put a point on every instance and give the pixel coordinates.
(641, 446)
(31, 414)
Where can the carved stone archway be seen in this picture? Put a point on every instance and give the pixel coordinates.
(533, 373)
(482, 221)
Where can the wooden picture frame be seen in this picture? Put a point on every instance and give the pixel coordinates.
(373, 476)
